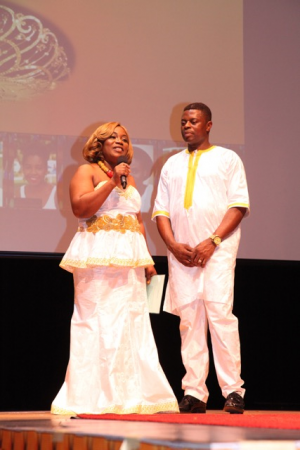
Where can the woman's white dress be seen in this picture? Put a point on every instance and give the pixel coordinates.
(113, 366)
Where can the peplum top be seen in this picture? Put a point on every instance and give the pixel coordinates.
(111, 237)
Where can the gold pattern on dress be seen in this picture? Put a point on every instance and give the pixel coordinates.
(113, 261)
(137, 409)
(127, 193)
(62, 411)
(120, 223)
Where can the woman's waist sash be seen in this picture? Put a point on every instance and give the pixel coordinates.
(119, 223)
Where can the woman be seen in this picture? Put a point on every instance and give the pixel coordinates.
(113, 366)
(34, 168)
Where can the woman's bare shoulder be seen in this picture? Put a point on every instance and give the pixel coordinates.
(87, 170)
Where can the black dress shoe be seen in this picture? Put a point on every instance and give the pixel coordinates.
(234, 404)
(192, 405)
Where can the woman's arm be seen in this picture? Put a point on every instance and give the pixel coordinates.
(85, 200)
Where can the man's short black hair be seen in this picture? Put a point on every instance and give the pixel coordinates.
(201, 107)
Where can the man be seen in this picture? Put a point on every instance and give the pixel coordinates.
(202, 198)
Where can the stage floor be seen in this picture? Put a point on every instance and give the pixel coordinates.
(43, 431)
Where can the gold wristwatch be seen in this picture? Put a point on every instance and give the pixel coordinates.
(216, 239)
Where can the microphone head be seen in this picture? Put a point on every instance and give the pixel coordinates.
(122, 159)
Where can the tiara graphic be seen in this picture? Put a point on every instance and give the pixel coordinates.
(31, 59)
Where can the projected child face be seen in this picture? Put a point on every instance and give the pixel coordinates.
(116, 145)
(34, 169)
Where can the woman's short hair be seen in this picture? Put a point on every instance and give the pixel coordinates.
(92, 151)
(37, 148)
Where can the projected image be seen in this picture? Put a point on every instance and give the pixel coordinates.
(69, 158)
(32, 61)
(1, 173)
(141, 170)
(34, 175)
(55, 88)
(165, 149)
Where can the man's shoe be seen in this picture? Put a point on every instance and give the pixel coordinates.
(192, 405)
(234, 404)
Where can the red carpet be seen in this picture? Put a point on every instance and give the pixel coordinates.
(287, 421)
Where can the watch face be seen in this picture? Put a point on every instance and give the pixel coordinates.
(217, 240)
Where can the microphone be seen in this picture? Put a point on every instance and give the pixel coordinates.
(123, 159)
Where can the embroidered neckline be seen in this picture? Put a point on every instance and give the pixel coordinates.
(127, 193)
(200, 151)
(191, 175)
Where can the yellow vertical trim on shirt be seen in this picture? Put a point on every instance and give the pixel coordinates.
(191, 176)
(190, 180)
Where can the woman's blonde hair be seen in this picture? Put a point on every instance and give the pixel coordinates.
(92, 151)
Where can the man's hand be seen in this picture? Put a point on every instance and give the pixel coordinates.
(202, 252)
(183, 253)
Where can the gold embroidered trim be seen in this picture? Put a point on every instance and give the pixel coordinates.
(120, 223)
(242, 205)
(160, 213)
(191, 176)
(137, 409)
(202, 151)
(127, 193)
(106, 262)
(62, 411)
(190, 181)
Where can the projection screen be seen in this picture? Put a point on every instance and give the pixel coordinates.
(68, 66)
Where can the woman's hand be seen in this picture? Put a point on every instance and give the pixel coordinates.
(119, 170)
(149, 272)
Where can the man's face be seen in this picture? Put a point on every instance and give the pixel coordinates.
(195, 128)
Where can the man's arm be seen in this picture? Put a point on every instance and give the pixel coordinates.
(206, 248)
(182, 252)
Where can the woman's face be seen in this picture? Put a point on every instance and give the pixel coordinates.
(116, 145)
(34, 169)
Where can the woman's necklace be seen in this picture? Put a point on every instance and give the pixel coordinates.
(105, 169)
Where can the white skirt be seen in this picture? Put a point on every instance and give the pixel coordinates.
(114, 365)
(88, 250)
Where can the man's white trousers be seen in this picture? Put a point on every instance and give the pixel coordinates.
(196, 317)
